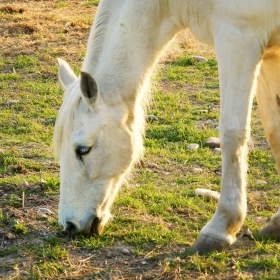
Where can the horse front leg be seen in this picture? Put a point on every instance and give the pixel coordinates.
(238, 61)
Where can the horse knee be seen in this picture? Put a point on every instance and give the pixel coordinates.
(234, 139)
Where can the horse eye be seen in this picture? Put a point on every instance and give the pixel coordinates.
(81, 151)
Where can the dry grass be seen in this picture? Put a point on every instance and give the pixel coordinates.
(36, 26)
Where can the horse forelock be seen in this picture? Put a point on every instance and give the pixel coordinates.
(64, 121)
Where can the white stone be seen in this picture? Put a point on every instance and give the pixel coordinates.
(10, 102)
(213, 142)
(125, 251)
(199, 58)
(151, 118)
(218, 150)
(196, 170)
(172, 260)
(205, 192)
(45, 211)
(193, 146)
(25, 183)
(261, 182)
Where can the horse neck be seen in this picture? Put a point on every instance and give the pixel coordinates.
(126, 41)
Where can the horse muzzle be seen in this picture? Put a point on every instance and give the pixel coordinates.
(73, 228)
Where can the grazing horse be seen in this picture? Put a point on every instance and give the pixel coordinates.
(98, 132)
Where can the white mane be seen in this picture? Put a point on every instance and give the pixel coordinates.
(72, 97)
(98, 32)
(64, 121)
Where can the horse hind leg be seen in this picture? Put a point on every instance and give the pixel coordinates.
(268, 97)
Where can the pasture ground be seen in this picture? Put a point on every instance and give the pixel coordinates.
(156, 216)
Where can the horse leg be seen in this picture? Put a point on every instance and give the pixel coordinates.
(238, 71)
(268, 98)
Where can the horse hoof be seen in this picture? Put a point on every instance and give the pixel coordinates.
(206, 244)
(271, 231)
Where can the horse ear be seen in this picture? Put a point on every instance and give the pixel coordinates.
(65, 74)
(88, 87)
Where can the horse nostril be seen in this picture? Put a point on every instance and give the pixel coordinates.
(71, 228)
(95, 226)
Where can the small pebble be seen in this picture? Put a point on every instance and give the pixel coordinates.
(218, 171)
(10, 236)
(25, 183)
(45, 211)
(10, 102)
(25, 273)
(125, 251)
(261, 182)
(202, 111)
(196, 170)
(218, 150)
(199, 58)
(193, 146)
(36, 187)
(213, 142)
(43, 233)
(42, 181)
(173, 260)
(151, 118)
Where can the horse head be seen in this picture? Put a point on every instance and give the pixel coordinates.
(95, 144)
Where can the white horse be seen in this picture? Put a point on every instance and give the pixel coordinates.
(98, 133)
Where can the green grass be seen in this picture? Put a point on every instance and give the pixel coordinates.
(92, 2)
(159, 212)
